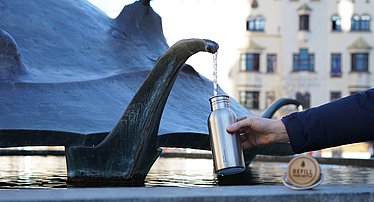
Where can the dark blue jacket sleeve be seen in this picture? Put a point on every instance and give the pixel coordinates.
(344, 121)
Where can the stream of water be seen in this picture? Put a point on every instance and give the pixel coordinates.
(215, 81)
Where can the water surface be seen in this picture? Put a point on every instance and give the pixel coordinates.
(50, 172)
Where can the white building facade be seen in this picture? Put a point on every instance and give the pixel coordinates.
(315, 51)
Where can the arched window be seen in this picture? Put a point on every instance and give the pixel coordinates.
(355, 26)
(250, 23)
(304, 99)
(361, 23)
(365, 22)
(259, 23)
(336, 23)
(255, 24)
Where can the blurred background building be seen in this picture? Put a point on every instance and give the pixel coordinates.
(313, 50)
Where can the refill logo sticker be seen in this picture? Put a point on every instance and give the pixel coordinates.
(303, 172)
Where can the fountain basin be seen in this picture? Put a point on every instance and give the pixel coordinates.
(178, 170)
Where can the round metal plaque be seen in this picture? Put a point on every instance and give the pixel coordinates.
(303, 172)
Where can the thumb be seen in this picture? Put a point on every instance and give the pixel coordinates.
(242, 124)
(232, 128)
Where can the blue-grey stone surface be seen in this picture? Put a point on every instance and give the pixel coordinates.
(259, 193)
(65, 66)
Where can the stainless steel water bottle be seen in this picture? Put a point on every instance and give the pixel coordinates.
(226, 148)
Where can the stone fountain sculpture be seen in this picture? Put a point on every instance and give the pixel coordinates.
(67, 73)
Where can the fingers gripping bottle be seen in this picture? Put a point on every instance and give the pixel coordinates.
(226, 148)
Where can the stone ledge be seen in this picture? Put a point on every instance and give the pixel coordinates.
(321, 160)
(260, 193)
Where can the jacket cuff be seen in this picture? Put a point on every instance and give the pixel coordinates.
(295, 132)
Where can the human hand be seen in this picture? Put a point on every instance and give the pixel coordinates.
(256, 131)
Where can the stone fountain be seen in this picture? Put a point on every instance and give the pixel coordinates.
(110, 90)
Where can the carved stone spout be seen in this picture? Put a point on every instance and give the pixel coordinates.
(129, 151)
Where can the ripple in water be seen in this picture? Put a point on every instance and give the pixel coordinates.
(50, 172)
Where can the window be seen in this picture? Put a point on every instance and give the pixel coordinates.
(259, 23)
(303, 61)
(249, 99)
(355, 26)
(271, 61)
(256, 24)
(336, 23)
(304, 99)
(250, 23)
(334, 95)
(304, 22)
(360, 23)
(365, 22)
(360, 62)
(336, 65)
(250, 62)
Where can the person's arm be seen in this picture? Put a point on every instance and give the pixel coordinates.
(344, 121)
